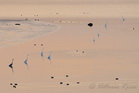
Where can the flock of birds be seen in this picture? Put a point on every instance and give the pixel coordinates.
(26, 60)
(42, 52)
(11, 65)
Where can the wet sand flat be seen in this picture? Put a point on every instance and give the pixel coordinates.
(53, 49)
(96, 65)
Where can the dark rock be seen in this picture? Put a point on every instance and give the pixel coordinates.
(52, 77)
(17, 23)
(78, 82)
(14, 86)
(61, 82)
(116, 78)
(90, 24)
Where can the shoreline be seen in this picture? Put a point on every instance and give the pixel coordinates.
(24, 31)
(113, 54)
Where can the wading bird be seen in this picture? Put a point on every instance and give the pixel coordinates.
(26, 62)
(11, 65)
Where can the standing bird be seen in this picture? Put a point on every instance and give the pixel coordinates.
(42, 54)
(26, 61)
(106, 26)
(11, 65)
(123, 19)
(49, 57)
(94, 40)
(98, 35)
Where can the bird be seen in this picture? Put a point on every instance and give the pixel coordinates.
(106, 26)
(49, 57)
(94, 40)
(123, 19)
(98, 35)
(42, 54)
(26, 61)
(11, 65)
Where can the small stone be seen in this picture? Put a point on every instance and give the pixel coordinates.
(116, 78)
(61, 82)
(14, 86)
(52, 77)
(78, 82)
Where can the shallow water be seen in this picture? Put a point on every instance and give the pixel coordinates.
(12, 34)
